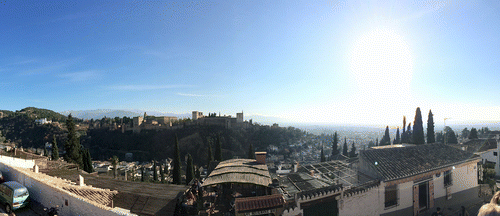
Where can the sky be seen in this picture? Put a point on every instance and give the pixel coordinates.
(320, 62)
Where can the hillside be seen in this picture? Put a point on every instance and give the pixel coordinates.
(111, 113)
(150, 144)
(20, 126)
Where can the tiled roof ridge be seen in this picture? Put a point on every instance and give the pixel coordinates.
(65, 183)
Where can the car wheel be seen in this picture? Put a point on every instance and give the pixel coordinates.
(8, 209)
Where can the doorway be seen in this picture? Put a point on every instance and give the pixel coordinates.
(423, 195)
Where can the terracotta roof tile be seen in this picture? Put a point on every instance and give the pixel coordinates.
(395, 163)
(259, 202)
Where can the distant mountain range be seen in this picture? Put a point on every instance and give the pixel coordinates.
(110, 113)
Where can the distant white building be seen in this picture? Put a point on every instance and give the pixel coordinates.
(43, 121)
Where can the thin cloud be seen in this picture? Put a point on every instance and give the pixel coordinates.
(197, 95)
(146, 87)
(49, 67)
(81, 75)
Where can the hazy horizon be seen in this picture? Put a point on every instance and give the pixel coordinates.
(338, 63)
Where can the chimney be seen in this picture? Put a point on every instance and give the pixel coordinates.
(295, 166)
(260, 157)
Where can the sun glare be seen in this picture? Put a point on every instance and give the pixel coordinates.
(382, 64)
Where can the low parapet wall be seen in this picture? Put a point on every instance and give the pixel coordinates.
(17, 162)
(47, 191)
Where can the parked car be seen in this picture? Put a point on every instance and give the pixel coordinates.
(13, 195)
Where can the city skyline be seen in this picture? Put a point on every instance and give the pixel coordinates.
(345, 62)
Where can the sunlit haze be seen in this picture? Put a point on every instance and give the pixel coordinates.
(331, 62)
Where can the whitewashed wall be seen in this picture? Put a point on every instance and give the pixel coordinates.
(17, 162)
(366, 203)
(488, 155)
(49, 196)
(464, 177)
(405, 195)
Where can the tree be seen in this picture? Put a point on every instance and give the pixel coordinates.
(45, 152)
(84, 159)
(450, 135)
(251, 152)
(210, 157)
(197, 174)
(189, 169)
(398, 138)
(376, 142)
(439, 137)
(162, 174)
(386, 139)
(55, 149)
(408, 133)
(371, 144)
(352, 153)
(418, 129)
(323, 159)
(473, 133)
(72, 144)
(335, 145)
(89, 162)
(176, 172)
(114, 162)
(155, 175)
(431, 138)
(344, 149)
(465, 133)
(142, 173)
(218, 149)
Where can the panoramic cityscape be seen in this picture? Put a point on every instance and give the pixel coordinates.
(249, 108)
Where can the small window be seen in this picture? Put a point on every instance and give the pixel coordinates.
(448, 180)
(391, 196)
(495, 153)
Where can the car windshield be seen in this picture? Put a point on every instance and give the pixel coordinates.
(20, 192)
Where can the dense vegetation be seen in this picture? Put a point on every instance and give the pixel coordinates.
(195, 139)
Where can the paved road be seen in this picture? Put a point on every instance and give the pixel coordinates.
(33, 210)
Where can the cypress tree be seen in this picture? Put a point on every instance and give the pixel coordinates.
(189, 169)
(386, 139)
(176, 172)
(418, 129)
(142, 173)
(352, 153)
(210, 157)
(473, 133)
(198, 173)
(155, 175)
(218, 149)
(114, 162)
(344, 149)
(72, 144)
(431, 138)
(85, 164)
(251, 153)
(162, 174)
(398, 138)
(408, 132)
(89, 162)
(323, 159)
(376, 142)
(55, 149)
(335, 145)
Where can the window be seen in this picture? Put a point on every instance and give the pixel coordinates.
(448, 181)
(391, 196)
(495, 153)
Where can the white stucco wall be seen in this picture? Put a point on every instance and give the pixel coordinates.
(17, 162)
(365, 203)
(405, 195)
(464, 177)
(49, 196)
(489, 156)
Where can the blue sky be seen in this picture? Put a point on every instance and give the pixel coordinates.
(300, 61)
